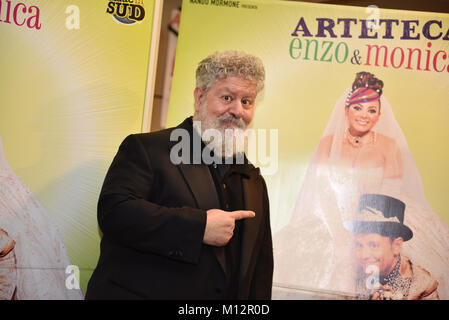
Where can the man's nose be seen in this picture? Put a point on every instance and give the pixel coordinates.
(237, 109)
(366, 253)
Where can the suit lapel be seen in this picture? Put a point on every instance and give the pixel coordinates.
(202, 185)
(252, 191)
(197, 176)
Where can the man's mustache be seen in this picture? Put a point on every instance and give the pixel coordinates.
(239, 123)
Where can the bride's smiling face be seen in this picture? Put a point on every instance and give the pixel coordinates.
(362, 117)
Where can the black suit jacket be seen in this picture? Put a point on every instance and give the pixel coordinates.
(153, 215)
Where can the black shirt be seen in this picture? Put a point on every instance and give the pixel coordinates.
(228, 182)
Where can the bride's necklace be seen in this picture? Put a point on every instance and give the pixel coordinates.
(358, 142)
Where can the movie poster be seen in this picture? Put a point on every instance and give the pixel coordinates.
(75, 82)
(352, 118)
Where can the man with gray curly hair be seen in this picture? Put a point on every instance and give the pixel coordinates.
(225, 64)
(219, 78)
(193, 228)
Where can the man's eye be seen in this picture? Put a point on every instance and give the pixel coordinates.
(227, 98)
(246, 102)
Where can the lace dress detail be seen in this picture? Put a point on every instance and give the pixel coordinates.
(8, 272)
(40, 254)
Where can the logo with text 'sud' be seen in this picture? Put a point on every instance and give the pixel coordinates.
(126, 11)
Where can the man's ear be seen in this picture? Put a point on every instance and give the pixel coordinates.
(397, 245)
(198, 95)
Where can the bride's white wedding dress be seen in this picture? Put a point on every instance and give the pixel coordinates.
(38, 271)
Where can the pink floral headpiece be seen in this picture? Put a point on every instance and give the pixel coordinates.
(362, 95)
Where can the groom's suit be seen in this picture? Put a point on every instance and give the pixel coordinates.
(153, 215)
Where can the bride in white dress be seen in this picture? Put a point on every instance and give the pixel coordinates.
(35, 267)
(363, 150)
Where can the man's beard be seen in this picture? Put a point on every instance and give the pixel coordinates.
(231, 129)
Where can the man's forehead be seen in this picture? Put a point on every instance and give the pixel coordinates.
(235, 85)
(236, 90)
(364, 237)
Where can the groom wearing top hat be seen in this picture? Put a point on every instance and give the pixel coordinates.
(383, 273)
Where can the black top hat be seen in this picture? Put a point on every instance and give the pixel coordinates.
(380, 214)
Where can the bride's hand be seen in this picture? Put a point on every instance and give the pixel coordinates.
(6, 243)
